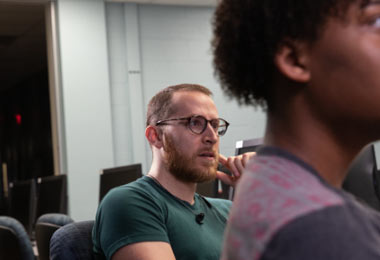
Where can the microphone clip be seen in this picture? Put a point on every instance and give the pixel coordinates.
(199, 218)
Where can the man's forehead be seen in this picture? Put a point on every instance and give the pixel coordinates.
(181, 96)
(192, 102)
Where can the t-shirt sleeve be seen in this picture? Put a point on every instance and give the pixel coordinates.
(127, 216)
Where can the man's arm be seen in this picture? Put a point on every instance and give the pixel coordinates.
(236, 164)
(145, 251)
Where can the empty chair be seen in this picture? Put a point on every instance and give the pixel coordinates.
(363, 179)
(14, 241)
(46, 225)
(113, 177)
(207, 189)
(52, 193)
(73, 242)
(213, 189)
(22, 203)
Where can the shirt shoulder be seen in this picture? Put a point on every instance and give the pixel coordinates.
(222, 205)
(273, 192)
(128, 214)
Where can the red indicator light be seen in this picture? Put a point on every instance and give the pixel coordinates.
(18, 119)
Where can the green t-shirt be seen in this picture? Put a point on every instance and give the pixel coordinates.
(145, 211)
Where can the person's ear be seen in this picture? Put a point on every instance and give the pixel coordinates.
(153, 135)
(292, 61)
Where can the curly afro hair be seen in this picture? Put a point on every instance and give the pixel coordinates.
(247, 34)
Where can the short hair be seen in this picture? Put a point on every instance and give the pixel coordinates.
(160, 106)
(248, 33)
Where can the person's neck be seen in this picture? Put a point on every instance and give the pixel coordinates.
(182, 190)
(325, 149)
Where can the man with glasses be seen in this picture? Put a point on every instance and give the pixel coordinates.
(160, 216)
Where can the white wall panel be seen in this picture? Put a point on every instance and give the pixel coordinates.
(86, 101)
(119, 85)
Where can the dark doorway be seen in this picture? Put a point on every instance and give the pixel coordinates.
(25, 125)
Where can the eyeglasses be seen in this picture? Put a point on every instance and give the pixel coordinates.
(198, 124)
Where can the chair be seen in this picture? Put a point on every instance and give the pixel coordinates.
(22, 203)
(51, 195)
(73, 242)
(216, 188)
(113, 177)
(363, 178)
(14, 241)
(46, 225)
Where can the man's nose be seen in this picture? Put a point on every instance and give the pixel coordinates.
(210, 134)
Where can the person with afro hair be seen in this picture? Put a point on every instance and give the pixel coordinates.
(314, 66)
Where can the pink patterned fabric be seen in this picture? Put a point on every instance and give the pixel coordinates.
(273, 192)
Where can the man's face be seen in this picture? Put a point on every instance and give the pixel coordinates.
(345, 70)
(188, 156)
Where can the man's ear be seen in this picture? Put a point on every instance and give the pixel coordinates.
(292, 61)
(153, 135)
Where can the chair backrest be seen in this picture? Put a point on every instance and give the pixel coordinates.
(46, 225)
(14, 241)
(113, 177)
(215, 188)
(22, 203)
(52, 195)
(362, 179)
(73, 242)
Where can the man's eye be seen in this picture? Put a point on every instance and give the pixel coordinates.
(196, 122)
(375, 22)
(215, 124)
(370, 15)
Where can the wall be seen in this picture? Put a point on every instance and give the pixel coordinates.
(126, 86)
(86, 101)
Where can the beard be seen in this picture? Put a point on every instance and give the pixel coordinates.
(185, 168)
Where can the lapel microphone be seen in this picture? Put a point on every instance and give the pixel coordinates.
(199, 218)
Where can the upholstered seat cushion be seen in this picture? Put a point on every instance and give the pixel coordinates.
(55, 218)
(72, 242)
(14, 240)
(46, 225)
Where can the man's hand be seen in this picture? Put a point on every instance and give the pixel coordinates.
(236, 165)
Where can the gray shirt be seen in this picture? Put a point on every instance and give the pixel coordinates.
(284, 210)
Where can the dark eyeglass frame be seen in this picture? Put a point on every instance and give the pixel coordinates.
(224, 124)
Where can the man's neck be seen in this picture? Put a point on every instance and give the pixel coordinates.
(325, 149)
(182, 190)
